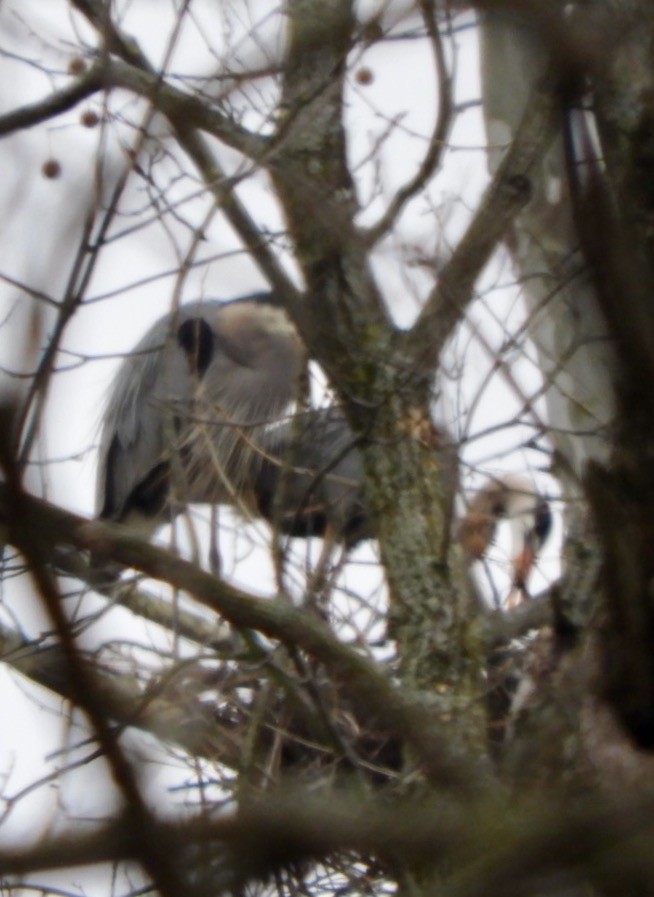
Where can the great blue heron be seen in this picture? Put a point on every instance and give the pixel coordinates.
(189, 405)
(194, 416)
(529, 516)
(311, 482)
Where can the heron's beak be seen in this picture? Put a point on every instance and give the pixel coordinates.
(522, 566)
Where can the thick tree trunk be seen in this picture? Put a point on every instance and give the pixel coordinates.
(362, 353)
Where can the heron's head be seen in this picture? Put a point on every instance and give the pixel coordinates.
(253, 326)
(250, 332)
(533, 529)
(529, 517)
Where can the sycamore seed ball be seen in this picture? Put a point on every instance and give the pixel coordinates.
(51, 169)
(76, 66)
(89, 118)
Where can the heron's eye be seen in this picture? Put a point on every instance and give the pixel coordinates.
(195, 338)
(498, 509)
(543, 521)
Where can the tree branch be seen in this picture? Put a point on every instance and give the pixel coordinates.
(509, 191)
(379, 703)
(489, 849)
(56, 103)
(213, 634)
(183, 110)
(190, 724)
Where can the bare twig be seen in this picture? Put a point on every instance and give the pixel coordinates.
(56, 103)
(438, 141)
(186, 115)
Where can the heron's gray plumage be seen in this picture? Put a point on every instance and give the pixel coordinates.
(188, 405)
(311, 480)
(196, 415)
